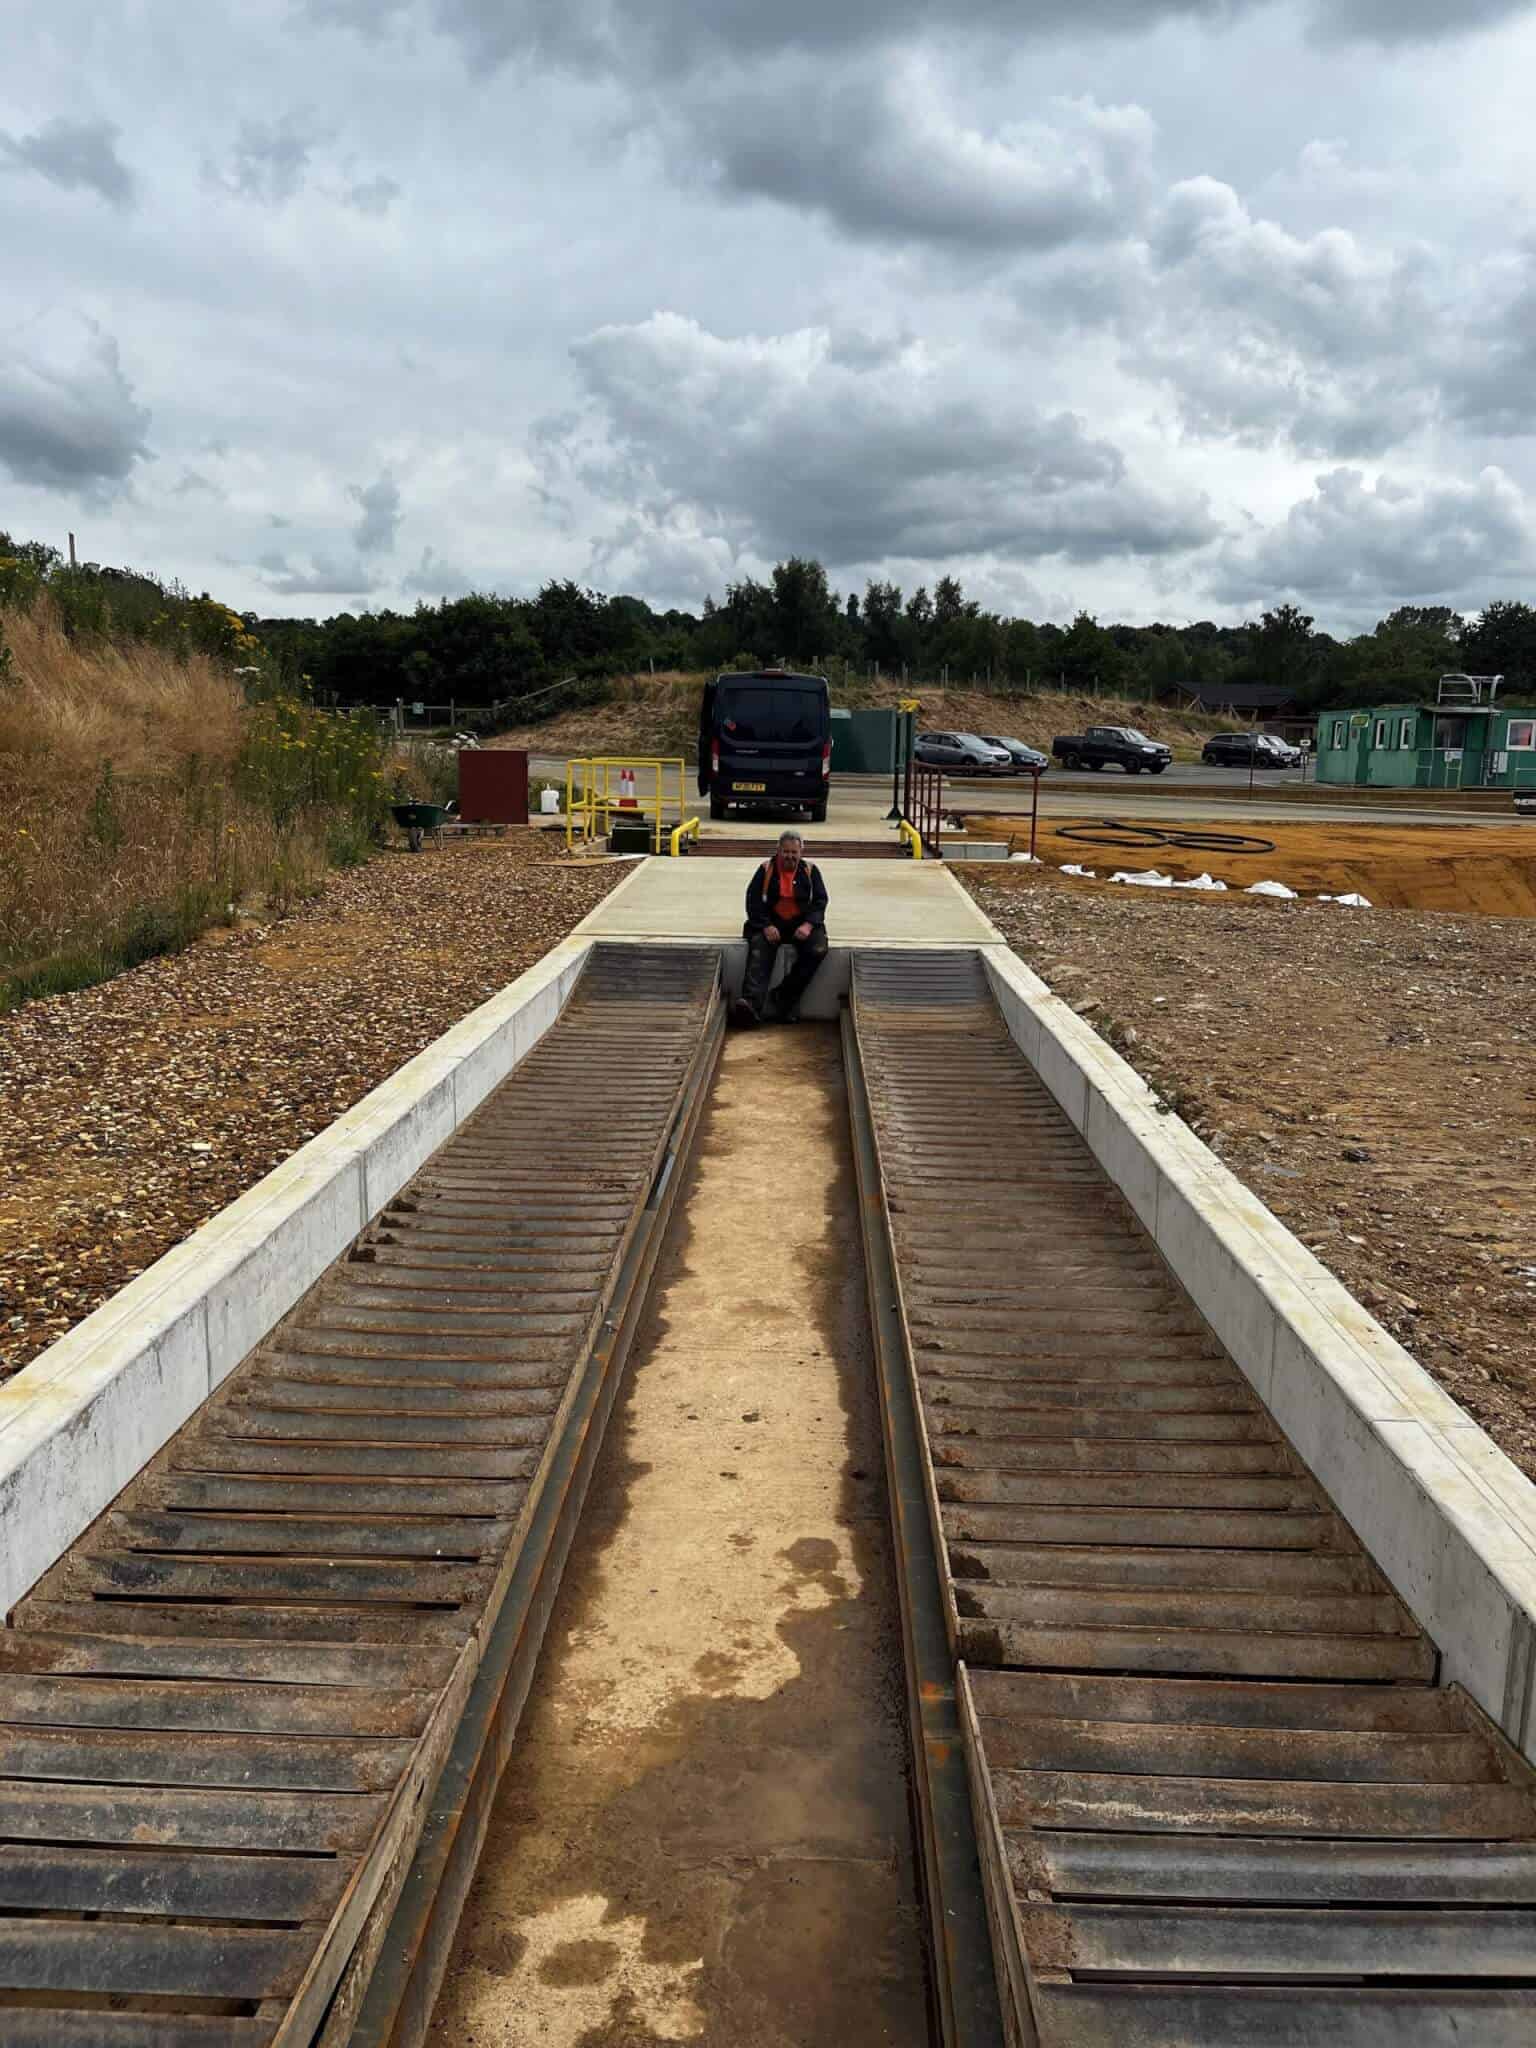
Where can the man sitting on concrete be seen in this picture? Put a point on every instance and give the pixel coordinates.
(786, 906)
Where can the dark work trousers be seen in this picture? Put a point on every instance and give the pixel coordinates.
(807, 956)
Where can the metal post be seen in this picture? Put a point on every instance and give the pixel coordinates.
(1034, 814)
(898, 734)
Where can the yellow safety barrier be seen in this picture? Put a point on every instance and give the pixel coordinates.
(689, 829)
(911, 837)
(594, 793)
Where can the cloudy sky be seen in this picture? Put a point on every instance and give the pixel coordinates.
(1165, 308)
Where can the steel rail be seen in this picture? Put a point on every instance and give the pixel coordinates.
(962, 1986)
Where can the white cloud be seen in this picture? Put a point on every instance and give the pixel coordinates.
(1358, 548)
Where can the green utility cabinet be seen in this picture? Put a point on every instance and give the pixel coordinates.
(871, 742)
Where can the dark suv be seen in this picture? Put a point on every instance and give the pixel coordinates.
(1238, 749)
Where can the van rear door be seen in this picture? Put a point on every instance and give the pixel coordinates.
(706, 735)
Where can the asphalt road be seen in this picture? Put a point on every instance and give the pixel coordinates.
(859, 802)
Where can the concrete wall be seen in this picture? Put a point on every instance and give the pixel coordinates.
(82, 1419)
(1449, 1519)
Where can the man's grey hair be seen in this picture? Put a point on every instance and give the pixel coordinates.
(798, 838)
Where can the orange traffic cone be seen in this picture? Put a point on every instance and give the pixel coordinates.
(628, 801)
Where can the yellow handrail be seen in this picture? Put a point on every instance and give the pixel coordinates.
(591, 807)
(689, 829)
(910, 836)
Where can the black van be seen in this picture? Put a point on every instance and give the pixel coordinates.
(765, 742)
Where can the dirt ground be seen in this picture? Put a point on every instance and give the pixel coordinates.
(1489, 870)
(1371, 1074)
(703, 1833)
(133, 1112)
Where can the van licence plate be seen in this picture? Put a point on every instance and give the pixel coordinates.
(759, 788)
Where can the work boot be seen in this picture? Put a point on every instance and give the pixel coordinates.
(743, 1016)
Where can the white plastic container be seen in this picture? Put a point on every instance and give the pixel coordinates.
(549, 802)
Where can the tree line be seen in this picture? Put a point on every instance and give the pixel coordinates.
(484, 650)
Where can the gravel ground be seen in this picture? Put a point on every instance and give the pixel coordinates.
(135, 1111)
(1371, 1074)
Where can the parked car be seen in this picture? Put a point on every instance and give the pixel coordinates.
(1023, 758)
(963, 752)
(1239, 749)
(1121, 744)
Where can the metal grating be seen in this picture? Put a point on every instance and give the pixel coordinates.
(1219, 1795)
(224, 1706)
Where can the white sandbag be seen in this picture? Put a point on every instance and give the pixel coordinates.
(1149, 879)
(1277, 889)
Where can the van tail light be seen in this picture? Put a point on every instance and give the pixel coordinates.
(714, 757)
(826, 759)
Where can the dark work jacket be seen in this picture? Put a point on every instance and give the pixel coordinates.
(810, 894)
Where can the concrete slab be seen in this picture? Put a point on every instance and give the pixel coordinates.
(873, 903)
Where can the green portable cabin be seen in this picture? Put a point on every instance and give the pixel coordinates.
(1466, 741)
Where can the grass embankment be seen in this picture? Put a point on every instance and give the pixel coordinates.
(142, 799)
(659, 714)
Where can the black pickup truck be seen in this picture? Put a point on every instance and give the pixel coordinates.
(1122, 744)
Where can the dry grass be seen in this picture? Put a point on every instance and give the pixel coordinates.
(70, 707)
(141, 800)
(659, 714)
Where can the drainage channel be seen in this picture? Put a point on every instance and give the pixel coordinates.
(1216, 1795)
(251, 1719)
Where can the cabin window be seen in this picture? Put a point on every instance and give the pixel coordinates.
(1522, 735)
(1338, 732)
(1406, 733)
(1381, 732)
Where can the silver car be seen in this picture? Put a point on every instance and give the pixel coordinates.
(963, 752)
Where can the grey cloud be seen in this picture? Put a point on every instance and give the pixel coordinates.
(1413, 21)
(323, 576)
(779, 448)
(675, 37)
(76, 155)
(878, 153)
(432, 577)
(1488, 368)
(375, 532)
(1359, 548)
(70, 426)
(193, 484)
(271, 159)
(373, 196)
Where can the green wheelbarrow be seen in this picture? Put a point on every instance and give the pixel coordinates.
(417, 820)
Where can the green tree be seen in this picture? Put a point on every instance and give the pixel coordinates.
(1502, 642)
(1089, 659)
(805, 619)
